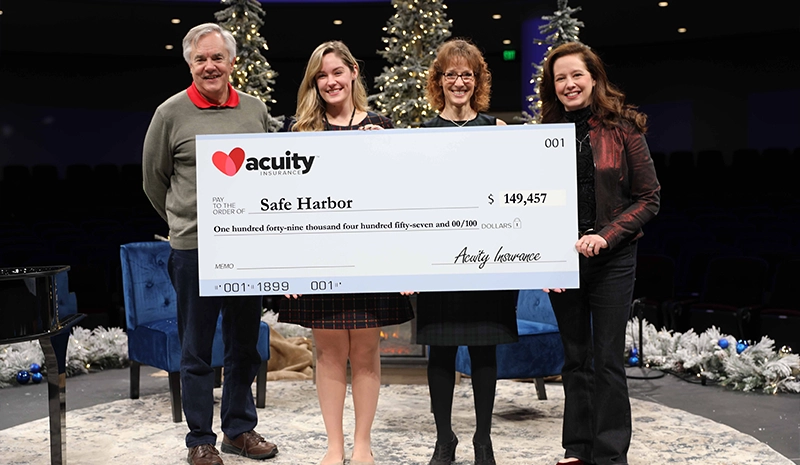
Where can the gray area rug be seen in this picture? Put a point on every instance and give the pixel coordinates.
(525, 431)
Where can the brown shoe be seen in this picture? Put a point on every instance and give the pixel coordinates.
(251, 445)
(204, 454)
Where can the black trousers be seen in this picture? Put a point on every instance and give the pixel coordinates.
(592, 322)
(197, 323)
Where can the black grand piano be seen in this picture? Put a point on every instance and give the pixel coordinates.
(28, 311)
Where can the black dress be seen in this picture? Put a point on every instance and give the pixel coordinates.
(348, 311)
(466, 318)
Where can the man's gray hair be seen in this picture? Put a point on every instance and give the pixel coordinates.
(195, 33)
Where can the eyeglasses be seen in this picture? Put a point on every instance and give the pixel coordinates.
(453, 77)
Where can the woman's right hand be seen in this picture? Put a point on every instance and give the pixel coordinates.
(557, 290)
(293, 296)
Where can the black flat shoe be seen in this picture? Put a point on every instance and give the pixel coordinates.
(484, 455)
(444, 454)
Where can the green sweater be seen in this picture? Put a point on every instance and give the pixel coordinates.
(168, 159)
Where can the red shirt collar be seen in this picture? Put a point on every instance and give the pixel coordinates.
(200, 102)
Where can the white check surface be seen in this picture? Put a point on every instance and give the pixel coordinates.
(473, 208)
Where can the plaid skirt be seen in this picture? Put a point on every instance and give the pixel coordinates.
(346, 311)
(467, 318)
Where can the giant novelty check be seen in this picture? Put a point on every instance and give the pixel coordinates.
(476, 208)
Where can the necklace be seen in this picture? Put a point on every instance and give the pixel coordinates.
(352, 115)
(459, 125)
(581, 141)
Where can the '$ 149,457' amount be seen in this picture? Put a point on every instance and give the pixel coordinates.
(520, 198)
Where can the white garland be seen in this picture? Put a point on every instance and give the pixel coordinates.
(99, 348)
(759, 367)
(86, 350)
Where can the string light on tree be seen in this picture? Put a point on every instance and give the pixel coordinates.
(252, 72)
(415, 31)
(561, 28)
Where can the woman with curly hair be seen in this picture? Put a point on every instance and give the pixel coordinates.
(458, 86)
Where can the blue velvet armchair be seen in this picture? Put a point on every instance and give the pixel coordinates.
(67, 301)
(537, 354)
(152, 326)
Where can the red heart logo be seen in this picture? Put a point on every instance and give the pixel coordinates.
(229, 164)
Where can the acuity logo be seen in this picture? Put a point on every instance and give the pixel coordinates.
(288, 164)
(228, 164)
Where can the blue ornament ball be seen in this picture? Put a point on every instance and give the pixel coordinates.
(723, 343)
(35, 368)
(740, 347)
(634, 352)
(633, 360)
(23, 377)
(36, 378)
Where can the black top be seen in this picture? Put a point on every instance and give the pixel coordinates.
(481, 120)
(467, 318)
(587, 206)
(371, 118)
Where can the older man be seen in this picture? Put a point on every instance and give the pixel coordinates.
(209, 106)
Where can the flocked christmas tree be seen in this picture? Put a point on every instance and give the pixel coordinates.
(561, 28)
(252, 73)
(415, 31)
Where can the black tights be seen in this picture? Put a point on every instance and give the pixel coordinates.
(441, 382)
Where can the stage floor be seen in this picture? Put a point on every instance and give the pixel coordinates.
(773, 420)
